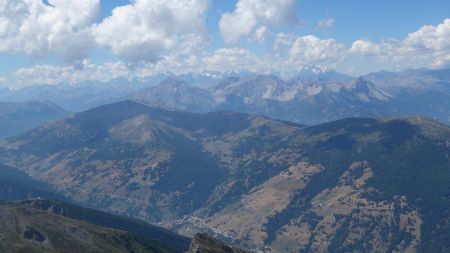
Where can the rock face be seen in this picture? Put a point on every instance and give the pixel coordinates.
(203, 243)
(173, 93)
(358, 184)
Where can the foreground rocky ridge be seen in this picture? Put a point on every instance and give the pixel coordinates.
(350, 185)
(29, 227)
(40, 225)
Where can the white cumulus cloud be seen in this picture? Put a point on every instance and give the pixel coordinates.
(432, 38)
(145, 29)
(429, 46)
(250, 15)
(311, 49)
(36, 29)
(233, 59)
(261, 34)
(326, 22)
(291, 52)
(3, 80)
(367, 47)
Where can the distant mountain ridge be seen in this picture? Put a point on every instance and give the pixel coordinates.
(357, 184)
(311, 98)
(310, 95)
(17, 118)
(79, 96)
(84, 95)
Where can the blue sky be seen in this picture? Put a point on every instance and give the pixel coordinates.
(355, 37)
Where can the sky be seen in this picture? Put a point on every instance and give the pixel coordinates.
(68, 41)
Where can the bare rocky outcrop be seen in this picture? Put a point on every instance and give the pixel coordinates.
(203, 243)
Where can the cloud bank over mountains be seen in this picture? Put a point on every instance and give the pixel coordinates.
(151, 36)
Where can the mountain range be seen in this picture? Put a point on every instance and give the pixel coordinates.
(357, 184)
(308, 96)
(313, 97)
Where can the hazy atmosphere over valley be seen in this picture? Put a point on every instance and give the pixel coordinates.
(207, 126)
